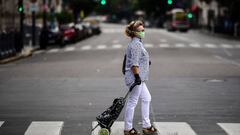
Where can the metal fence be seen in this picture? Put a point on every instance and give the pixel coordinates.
(10, 44)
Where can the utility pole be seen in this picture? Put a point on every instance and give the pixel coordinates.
(33, 10)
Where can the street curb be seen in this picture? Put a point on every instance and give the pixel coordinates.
(18, 56)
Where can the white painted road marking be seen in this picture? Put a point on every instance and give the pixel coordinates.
(101, 47)
(1, 122)
(164, 45)
(45, 128)
(179, 45)
(237, 46)
(230, 128)
(117, 128)
(68, 49)
(174, 128)
(208, 45)
(226, 46)
(117, 46)
(195, 45)
(86, 47)
(148, 45)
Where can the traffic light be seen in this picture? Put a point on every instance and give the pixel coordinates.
(103, 2)
(20, 6)
(170, 2)
(190, 15)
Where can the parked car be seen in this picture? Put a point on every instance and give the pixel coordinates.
(94, 24)
(87, 27)
(82, 32)
(69, 33)
(54, 35)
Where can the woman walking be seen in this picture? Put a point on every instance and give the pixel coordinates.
(137, 71)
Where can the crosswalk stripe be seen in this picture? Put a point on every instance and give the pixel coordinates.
(164, 45)
(226, 46)
(148, 45)
(53, 51)
(116, 129)
(45, 128)
(174, 128)
(195, 45)
(101, 47)
(86, 47)
(1, 122)
(179, 45)
(69, 49)
(230, 128)
(210, 45)
(117, 46)
(237, 46)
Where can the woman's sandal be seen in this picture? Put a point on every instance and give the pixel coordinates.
(133, 131)
(149, 131)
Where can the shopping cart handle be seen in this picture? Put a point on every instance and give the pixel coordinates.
(132, 86)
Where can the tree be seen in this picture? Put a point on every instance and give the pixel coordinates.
(77, 5)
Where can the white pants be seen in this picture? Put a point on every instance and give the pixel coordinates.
(142, 92)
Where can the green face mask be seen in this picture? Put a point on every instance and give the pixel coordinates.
(140, 34)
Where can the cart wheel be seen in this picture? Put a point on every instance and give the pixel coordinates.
(103, 131)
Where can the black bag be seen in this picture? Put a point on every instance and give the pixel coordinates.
(110, 115)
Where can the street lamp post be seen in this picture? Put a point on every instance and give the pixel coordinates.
(43, 36)
(21, 12)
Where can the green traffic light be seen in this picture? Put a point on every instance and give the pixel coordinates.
(170, 2)
(103, 2)
(190, 15)
(20, 9)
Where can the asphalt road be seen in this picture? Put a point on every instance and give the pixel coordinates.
(194, 83)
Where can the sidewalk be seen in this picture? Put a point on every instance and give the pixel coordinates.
(26, 52)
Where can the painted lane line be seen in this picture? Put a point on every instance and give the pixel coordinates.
(148, 45)
(1, 122)
(227, 60)
(117, 128)
(45, 128)
(237, 46)
(86, 47)
(117, 46)
(195, 45)
(174, 128)
(208, 45)
(179, 45)
(69, 49)
(101, 47)
(230, 128)
(164, 45)
(53, 51)
(227, 46)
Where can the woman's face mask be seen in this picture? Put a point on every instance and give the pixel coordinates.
(140, 34)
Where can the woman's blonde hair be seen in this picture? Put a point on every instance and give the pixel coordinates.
(132, 27)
